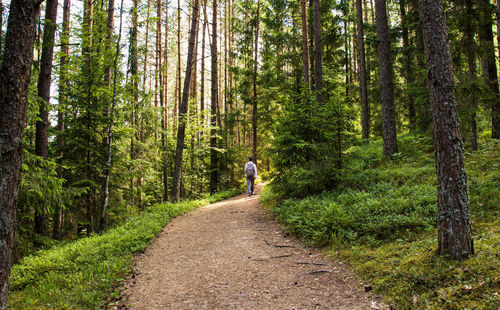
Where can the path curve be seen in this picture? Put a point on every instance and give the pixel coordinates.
(232, 255)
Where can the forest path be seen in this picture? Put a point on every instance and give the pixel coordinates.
(232, 255)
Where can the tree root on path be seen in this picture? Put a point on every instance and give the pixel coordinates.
(279, 245)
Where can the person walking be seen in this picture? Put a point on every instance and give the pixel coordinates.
(251, 174)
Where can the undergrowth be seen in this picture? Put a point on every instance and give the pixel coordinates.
(81, 274)
(382, 220)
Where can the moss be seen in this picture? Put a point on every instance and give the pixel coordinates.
(382, 221)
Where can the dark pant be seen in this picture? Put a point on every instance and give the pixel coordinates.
(250, 182)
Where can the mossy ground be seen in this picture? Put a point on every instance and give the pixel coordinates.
(382, 221)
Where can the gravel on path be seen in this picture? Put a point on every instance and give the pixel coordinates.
(233, 255)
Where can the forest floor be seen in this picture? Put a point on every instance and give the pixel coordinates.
(233, 255)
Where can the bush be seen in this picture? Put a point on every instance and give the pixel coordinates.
(355, 216)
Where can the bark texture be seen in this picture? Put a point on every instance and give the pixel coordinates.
(471, 61)
(305, 46)
(42, 126)
(110, 25)
(63, 80)
(102, 219)
(213, 104)
(255, 102)
(407, 65)
(386, 81)
(164, 116)
(365, 108)
(14, 82)
(489, 63)
(183, 108)
(454, 228)
(318, 52)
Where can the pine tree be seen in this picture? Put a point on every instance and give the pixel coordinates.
(44, 79)
(365, 108)
(183, 108)
(454, 228)
(15, 73)
(386, 81)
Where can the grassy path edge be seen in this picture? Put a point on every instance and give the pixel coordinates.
(82, 274)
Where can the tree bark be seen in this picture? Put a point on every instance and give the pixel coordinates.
(110, 25)
(365, 108)
(179, 76)
(471, 61)
(165, 111)
(146, 50)
(184, 104)
(202, 80)
(386, 81)
(213, 103)
(63, 80)
(305, 44)
(87, 38)
(255, 102)
(15, 74)
(318, 52)
(489, 63)
(109, 150)
(454, 228)
(1, 28)
(134, 85)
(407, 65)
(42, 126)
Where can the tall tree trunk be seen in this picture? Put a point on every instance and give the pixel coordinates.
(202, 80)
(407, 65)
(318, 51)
(346, 49)
(107, 80)
(254, 114)
(213, 103)
(230, 73)
(158, 64)
(133, 60)
(165, 111)
(454, 228)
(489, 63)
(15, 74)
(1, 26)
(88, 21)
(184, 103)
(365, 108)
(63, 80)
(110, 25)
(110, 129)
(386, 81)
(179, 76)
(471, 61)
(146, 50)
(42, 126)
(305, 44)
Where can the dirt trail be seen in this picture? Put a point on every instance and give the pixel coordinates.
(232, 255)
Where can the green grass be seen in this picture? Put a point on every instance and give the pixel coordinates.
(382, 221)
(81, 274)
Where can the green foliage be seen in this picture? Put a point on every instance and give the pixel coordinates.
(81, 274)
(306, 145)
(352, 216)
(382, 219)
